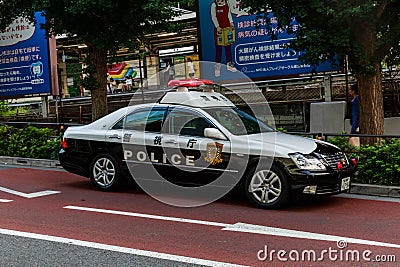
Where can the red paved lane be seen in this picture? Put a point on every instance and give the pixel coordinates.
(362, 219)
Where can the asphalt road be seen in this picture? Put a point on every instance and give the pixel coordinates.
(22, 251)
(54, 218)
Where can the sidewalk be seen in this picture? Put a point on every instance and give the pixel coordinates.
(46, 163)
(357, 189)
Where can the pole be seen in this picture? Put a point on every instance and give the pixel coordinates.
(45, 106)
(327, 88)
(140, 70)
(346, 69)
(56, 104)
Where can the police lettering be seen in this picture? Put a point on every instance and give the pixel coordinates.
(175, 159)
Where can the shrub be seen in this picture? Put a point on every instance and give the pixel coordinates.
(73, 91)
(29, 142)
(4, 107)
(376, 164)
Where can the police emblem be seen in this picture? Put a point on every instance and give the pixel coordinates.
(127, 137)
(214, 153)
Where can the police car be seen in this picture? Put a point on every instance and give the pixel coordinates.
(192, 139)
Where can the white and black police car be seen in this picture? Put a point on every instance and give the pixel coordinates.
(193, 138)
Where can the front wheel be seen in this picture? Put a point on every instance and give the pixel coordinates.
(267, 188)
(105, 173)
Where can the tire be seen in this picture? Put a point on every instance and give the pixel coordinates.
(267, 188)
(105, 173)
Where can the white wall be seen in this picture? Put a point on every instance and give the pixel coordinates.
(392, 126)
(329, 117)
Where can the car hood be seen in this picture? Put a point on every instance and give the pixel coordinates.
(280, 144)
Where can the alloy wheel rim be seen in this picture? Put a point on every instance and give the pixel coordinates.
(265, 186)
(104, 172)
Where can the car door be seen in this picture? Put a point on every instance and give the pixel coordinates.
(194, 158)
(140, 135)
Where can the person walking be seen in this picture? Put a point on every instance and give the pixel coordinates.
(354, 120)
(128, 83)
(81, 88)
(191, 68)
(112, 86)
(171, 71)
(355, 114)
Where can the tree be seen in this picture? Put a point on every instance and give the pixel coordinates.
(366, 31)
(104, 26)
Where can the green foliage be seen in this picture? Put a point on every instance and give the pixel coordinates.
(89, 81)
(10, 9)
(73, 91)
(364, 32)
(380, 164)
(108, 24)
(29, 142)
(74, 71)
(4, 107)
(343, 143)
(376, 164)
(104, 26)
(7, 111)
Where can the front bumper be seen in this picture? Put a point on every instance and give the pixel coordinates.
(323, 183)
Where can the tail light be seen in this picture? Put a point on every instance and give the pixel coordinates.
(64, 143)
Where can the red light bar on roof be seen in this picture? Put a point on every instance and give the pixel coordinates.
(190, 82)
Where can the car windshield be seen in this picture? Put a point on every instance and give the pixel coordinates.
(238, 122)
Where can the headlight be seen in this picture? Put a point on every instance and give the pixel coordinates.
(307, 162)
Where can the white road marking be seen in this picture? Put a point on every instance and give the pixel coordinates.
(148, 216)
(29, 195)
(5, 200)
(266, 230)
(126, 250)
(245, 228)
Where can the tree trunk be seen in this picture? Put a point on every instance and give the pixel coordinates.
(371, 104)
(98, 61)
(367, 68)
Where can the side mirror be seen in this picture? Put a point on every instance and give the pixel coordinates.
(214, 133)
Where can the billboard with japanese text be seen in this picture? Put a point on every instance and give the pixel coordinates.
(24, 59)
(238, 41)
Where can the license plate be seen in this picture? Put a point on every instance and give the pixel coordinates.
(345, 184)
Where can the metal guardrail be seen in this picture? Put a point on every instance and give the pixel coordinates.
(53, 125)
(325, 136)
(315, 135)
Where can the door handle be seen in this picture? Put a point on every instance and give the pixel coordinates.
(114, 136)
(171, 142)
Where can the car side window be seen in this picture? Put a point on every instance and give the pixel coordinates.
(143, 120)
(119, 125)
(187, 123)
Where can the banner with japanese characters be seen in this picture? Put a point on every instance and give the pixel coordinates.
(238, 41)
(24, 59)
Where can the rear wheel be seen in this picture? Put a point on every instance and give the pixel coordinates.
(267, 188)
(105, 173)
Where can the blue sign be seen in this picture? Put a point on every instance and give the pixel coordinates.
(24, 59)
(250, 49)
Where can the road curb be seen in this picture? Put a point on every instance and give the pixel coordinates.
(357, 189)
(30, 162)
(375, 190)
